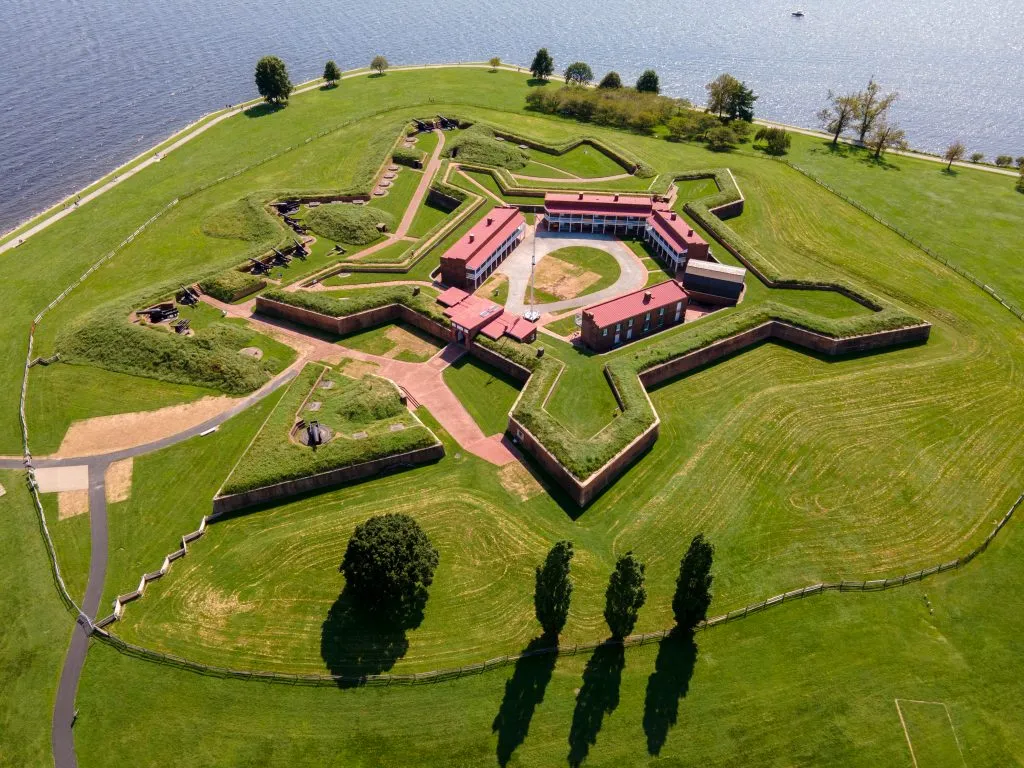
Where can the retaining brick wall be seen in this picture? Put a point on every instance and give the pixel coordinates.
(503, 364)
(275, 493)
(774, 329)
(355, 322)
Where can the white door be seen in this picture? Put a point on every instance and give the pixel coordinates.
(617, 338)
(629, 334)
(678, 311)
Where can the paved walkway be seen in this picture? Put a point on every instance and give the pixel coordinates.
(517, 267)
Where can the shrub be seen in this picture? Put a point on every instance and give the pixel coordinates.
(244, 219)
(611, 80)
(388, 565)
(721, 138)
(232, 285)
(346, 223)
(479, 145)
(977, 157)
(691, 125)
(616, 107)
(379, 64)
(1004, 161)
(777, 140)
(648, 82)
(579, 73)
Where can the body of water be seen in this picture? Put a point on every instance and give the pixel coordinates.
(91, 83)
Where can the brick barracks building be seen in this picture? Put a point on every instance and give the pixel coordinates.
(479, 252)
(633, 315)
(671, 238)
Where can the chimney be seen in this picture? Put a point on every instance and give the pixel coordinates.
(647, 297)
(616, 198)
(581, 196)
(490, 220)
(472, 237)
(673, 216)
(689, 233)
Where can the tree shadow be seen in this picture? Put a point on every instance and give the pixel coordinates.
(599, 696)
(880, 162)
(524, 691)
(376, 75)
(536, 82)
(260, 110)
(950, 172)
(668, 683)
(354, 644)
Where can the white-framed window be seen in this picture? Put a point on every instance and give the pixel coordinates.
(679, 305)
(630, 324)
(604, 332)
(647, 317)
(661, 312)
(618, 327)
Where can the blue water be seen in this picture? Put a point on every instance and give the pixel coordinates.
(92, 83)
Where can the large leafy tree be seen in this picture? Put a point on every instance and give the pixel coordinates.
(611, 80)
(388, 566)
(543, 65)
(720, 93)
(741, 104)
(872, 106)
(625, 595)
(554, 588)
(884, 135)
(578, 73)
(839, 113)
(331, 73)
(693, 585)
(272, 80)
(379, 64)
(648, 82)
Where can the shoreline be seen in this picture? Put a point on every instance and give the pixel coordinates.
(40, 220)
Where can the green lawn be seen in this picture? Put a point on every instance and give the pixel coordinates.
(412, 344)
(427, 217)
(71, 542)
(401, 191)
(36, 632)
(486, 393)
(566, 326)
(799, 468)
(61, 394)
(584, 161)
(495, 289)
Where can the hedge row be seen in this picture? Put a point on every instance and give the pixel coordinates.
(350, 302)
(273, 458)
(623, 157)
(232, 285)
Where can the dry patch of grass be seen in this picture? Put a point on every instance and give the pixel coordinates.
(118, 480)
(519, 481)
(72, 503)
(562, 279)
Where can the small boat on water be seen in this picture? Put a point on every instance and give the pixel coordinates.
(798, 14)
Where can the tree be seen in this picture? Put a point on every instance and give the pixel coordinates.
(543, 65)
(1004, 161)
(777, 140)
(691, 125)
(720, 92)
(272, 80)
(578, 73)
(1020, 162)
(741, 104)
(886, 135)
(837, 115)
(388, 566)
(648, 82)
(379, 64)
(495, 62)
(872, 105)
(611, 80)
(625, 595)
(721, 138)
(331, 73)
(553, 589)
(977, 157)
(693, 585)
(1020, 181)
(954, 153)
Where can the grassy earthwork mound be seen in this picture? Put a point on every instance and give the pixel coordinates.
(348, 223)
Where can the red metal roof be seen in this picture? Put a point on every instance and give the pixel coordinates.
(632, 304)
(472, 313)
(451, 297)
(597, 205)
(477, 245)
(675, 229)
(522, 329)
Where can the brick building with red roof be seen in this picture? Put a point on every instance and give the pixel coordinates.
(673, 239)
(479, 252)
(471, 315)
(633, 315)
